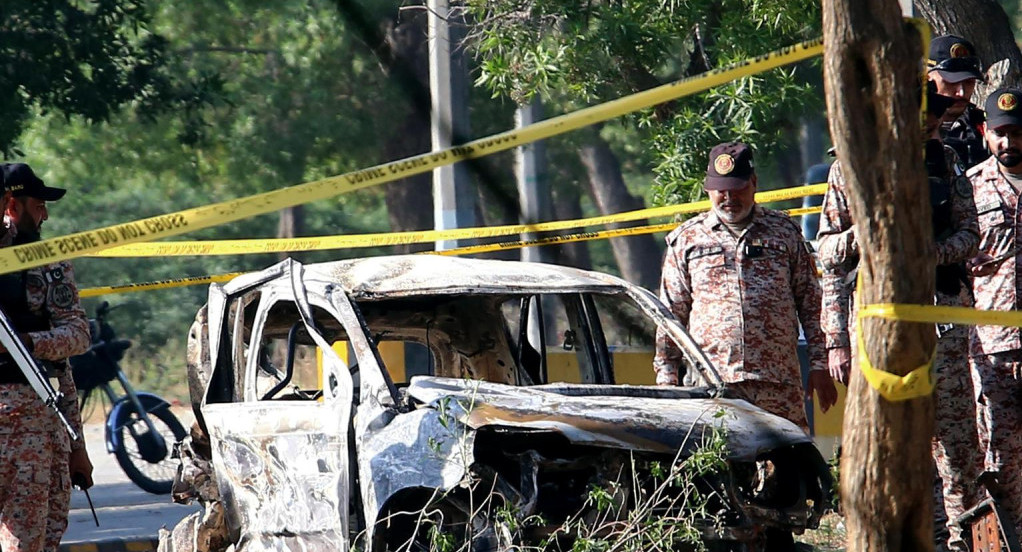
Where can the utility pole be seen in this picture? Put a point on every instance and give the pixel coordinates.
(453, 197)
(533, 185)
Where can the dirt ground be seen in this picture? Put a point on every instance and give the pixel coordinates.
(830, 537)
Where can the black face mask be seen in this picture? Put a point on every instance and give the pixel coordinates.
(26, 236)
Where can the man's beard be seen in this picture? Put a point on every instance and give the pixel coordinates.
(26, 236)
(1009, 158)
(733, 217)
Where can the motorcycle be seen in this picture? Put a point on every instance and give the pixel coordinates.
(140, 427)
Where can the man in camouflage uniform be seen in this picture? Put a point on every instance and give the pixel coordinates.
(741, 278)
(997, 350)
(954, 67)
(37, 459)
(956, 442)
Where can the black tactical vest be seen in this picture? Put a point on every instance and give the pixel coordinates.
(14, 302)
(951, 276)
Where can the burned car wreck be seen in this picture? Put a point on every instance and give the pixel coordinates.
(434, 403)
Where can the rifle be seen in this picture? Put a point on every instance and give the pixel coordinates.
(35, 375)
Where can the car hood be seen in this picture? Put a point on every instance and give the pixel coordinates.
(641, 418)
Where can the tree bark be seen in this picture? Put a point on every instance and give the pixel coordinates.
(987, 26)
(409, 200)
(637, 257)
(290, 224)
(870, 72)
(567, 206)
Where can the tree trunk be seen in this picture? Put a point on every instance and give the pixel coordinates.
(409, 200)
(870, 71)
(290, 224)
(987, 26)
(495, 204)
(637, 257)
(568, 206)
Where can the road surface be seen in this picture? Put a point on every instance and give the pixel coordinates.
(129, 518)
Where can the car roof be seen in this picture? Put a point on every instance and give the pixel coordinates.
(408, 275)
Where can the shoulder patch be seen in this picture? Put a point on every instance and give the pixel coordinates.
(61, 295)
(975, 170)
(34, 281)
(963, 187)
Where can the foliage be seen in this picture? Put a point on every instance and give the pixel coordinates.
(650, 505)
(580, 52)
(303, 98)
(1014, 10)
(89, 59)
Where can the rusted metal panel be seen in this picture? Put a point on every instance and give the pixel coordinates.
(621, 417)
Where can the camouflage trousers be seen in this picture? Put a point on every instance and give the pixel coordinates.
(999, 379)
(781, 399)
(956, 443)
(35, 485)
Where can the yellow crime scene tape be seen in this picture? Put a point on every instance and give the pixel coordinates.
(568, 238)
(152, 228)
(160, 284)
(319, 243)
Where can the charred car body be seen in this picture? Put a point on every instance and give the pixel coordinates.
(313, 446)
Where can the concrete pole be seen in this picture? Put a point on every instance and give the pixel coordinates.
(453, 196)
(533, 186)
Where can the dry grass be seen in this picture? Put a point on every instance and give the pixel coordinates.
(830, 537)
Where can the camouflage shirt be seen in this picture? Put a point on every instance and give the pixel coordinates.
(52, 291)
(839, 249)
(997, 206)
(742, 298)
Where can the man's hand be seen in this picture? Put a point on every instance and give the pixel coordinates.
(982, 265)
(839, 363)
(821, 382)
(81, 468)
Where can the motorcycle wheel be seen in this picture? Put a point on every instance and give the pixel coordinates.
(153, 477)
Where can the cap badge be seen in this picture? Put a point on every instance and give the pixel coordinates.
(724, 164)
(1007, 102)
(959, 50)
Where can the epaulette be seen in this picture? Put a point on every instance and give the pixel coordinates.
(777, 214)
(678, 230)
(974, 170)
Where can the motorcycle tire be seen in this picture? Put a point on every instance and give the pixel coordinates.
(158, 477)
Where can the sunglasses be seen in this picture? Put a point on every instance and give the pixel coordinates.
(956, 65)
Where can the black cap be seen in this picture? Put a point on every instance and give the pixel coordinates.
(730, 167)
(954, 58)
(22, 182)
(1004, 107)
